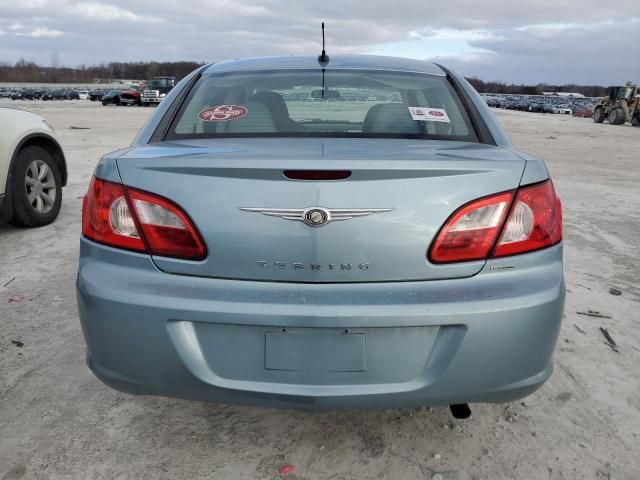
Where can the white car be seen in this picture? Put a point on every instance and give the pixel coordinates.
(563, 110)
(33, 169)
(83, 94)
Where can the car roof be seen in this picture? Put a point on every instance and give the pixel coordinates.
(345, 62)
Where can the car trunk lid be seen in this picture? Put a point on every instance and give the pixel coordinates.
(408, 188)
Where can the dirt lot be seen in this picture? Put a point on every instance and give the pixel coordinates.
(58, 421)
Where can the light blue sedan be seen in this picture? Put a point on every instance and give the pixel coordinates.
(357, 233)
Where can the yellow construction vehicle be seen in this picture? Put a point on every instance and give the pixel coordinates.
(619, 106)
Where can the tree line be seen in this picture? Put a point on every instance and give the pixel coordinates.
(30, 72)
(512, 89)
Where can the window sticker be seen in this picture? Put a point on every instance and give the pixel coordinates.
(429, 114)
(222, 113)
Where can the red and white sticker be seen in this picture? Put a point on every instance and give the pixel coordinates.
(222, 113)
(429, 114)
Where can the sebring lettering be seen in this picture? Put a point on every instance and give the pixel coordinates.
(311, 266)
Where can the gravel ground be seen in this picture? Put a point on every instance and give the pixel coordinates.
(58, 421)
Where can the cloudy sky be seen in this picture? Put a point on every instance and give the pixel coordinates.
(523, 41)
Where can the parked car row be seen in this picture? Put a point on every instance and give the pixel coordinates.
(43, 94)
(142, 94)
(107, 97)
(582, 107)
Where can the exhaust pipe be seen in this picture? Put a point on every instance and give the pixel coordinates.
(460, 411)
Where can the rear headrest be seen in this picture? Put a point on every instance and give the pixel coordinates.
(273, 101)
(278, 107)
(257, 120)
(390, 118)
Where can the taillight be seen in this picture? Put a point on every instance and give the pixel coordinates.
(535, 221)
(124, 217)
(478, 230)
(471, 232)
(106, 217)
(165, 227)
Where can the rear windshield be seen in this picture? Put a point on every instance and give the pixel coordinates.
(308, 103)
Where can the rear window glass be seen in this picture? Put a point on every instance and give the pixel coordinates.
(308, 103)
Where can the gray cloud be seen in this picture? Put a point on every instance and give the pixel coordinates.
(528, 41)
(598, 52)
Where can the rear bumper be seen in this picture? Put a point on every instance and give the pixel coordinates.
(488, 338)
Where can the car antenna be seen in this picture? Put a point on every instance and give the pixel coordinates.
(323, 58)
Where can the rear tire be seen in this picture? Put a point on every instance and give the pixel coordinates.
(615, 115)
(635, 121)
(36, 188)
(598, 115)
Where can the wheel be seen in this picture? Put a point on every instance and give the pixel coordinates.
(36, 188)
(598, 115)
(616, 116)
(635, 121)
(613, 116)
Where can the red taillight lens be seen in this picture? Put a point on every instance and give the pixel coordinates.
(535, 221)
(106, 217)
(156, 225)
(471, 232)
(165, 227)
